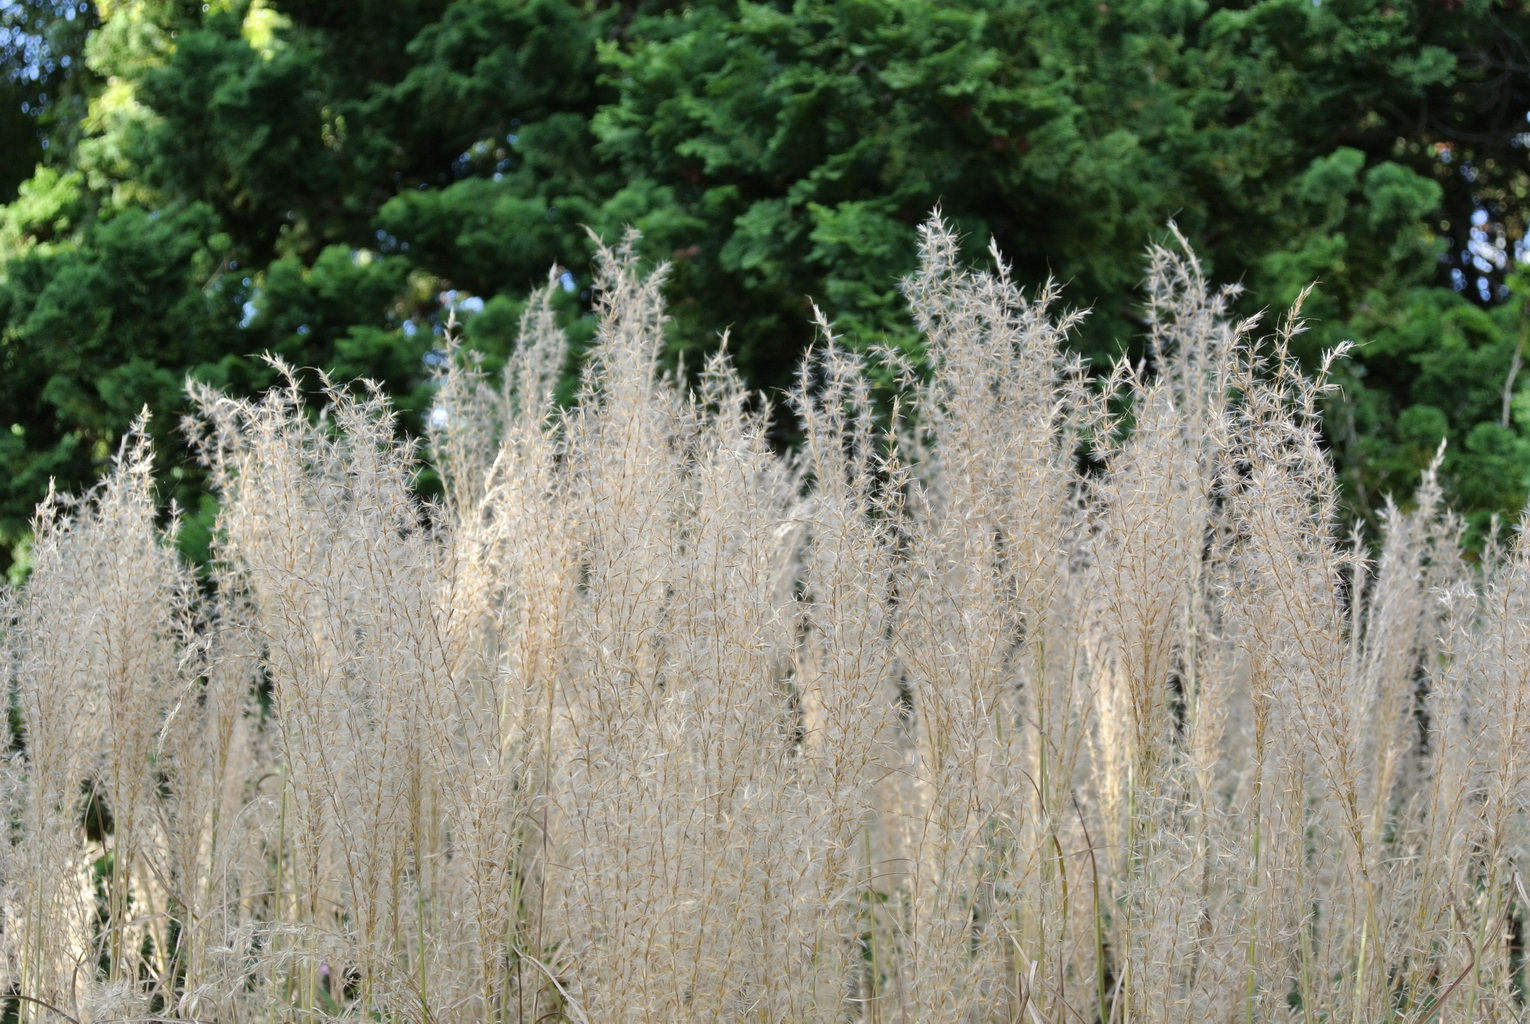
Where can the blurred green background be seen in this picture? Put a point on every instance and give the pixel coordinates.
(187, 185)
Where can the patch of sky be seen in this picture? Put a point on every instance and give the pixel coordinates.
(485, 152)
(440, 416)
(29, 52)
(1487, 252)
(566, 281)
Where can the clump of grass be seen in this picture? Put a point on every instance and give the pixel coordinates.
(644, 721)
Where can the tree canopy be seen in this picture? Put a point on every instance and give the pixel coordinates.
(328, 180)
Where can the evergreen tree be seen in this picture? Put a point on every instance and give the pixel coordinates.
(327, 180)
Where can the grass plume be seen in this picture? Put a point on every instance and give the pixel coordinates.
(932, 720)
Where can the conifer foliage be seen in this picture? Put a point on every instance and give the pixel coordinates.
(330, 180)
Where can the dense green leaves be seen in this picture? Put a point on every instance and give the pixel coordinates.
(327, 181)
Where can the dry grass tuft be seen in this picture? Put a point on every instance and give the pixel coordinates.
(929, 721)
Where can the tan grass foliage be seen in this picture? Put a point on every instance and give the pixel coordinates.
(934, 720)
